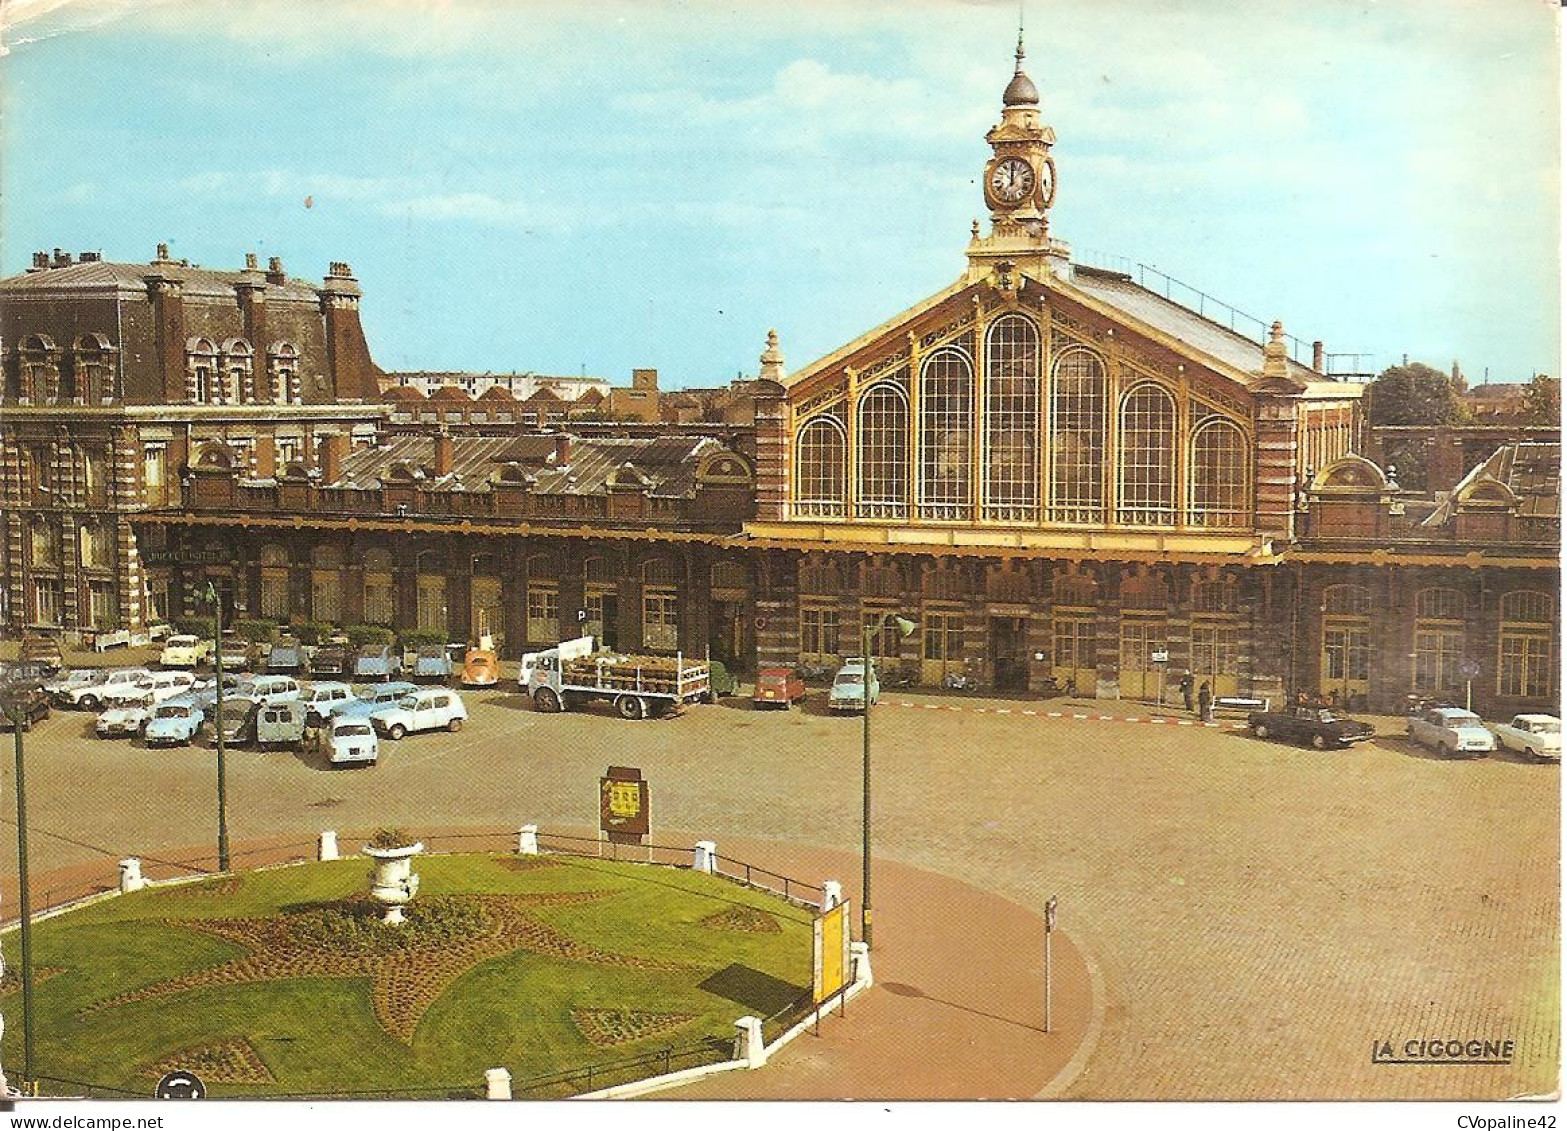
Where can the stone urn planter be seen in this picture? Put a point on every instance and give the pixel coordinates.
(393, 883)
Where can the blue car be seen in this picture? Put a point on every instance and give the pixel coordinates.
(433, 662)
(374, 698)
(378, 661)
(174, 722)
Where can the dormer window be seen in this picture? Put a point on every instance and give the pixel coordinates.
(201, 374)
(283, 373)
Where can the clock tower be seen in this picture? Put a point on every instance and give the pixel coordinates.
(1019, 185)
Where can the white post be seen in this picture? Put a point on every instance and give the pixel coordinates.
(497, 1084)
(130, 876)
(706, 858)
(860, 955)
(328, 849)
(528, 840)
(1050, 928)
(832, 894)
(748, 1042)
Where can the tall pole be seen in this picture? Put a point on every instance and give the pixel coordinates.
(27, 909)
(217, 672)
(865, 882)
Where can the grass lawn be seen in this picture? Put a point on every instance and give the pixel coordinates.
(280, 982)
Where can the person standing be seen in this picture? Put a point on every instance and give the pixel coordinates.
(1186, 689)
(1205, 703)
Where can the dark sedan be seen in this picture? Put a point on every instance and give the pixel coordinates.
(1319, 726)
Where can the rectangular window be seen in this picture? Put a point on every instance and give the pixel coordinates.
(944, 636)
(1438, 654)
(660, 628)
(432, 602)
(156, 600)
(103, 611)
(544, 612)
(154, 474)
(1215, 650)
(48, 600)
(326, 590)
(819, 633)
(884, 641)
(274, 594)
(1525, 668)
(378, 598)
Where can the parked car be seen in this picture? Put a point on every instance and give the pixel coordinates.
(376, 696)
(378, 662)
(287, 657)
(125, 719)
(349, 742)
(480, 668)
(849, 687)
(42, 650)
(89, 696)
(778, 687)
(1452, 732)
(330, 660)
(205, 693)
(68, 679)
(425, 710)
(267, 689)
(1537, 736)
(185, 651)
(1320, 726)
(432, 662)
(721, 681)
(282, 723)
(237, 721)
(235, 652)
(33, 708)
(174, 722)
(323, 700)
(156, 687)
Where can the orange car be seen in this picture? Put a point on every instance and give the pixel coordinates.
(481, 668)
(778, 687)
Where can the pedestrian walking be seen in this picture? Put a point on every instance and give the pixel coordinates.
(1205, 703)
(1186, 689)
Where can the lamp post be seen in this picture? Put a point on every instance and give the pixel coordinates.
(870, 628)
(16, 683)
(217, 673)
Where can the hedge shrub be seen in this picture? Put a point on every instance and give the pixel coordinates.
(361, 634)
(313, 631)
(418, 636)
(194, 626)
(257, 630)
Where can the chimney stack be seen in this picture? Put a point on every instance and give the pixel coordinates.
(275, 274)
(40, 261)
(89, 257)
(332, 447)
(1318, 356)
(163, 253)
(562, 450)
(251, 263)
(443, 453)
(62, 258)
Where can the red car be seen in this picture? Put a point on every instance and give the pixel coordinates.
(778, 687)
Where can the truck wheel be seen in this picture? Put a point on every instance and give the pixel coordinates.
(546, 701)
(454, 726)
(1260, 730)
(396, 732)
(629, 706)
(1319, 741)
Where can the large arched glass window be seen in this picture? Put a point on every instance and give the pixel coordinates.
(379, 606)
(1526, 663)
(1011, 452)
(946, 435)
(660, 606)
(821, 452)
(1147, 471)
(883, 434)
(1439, 641)
(1077, 438)
(1220, 487)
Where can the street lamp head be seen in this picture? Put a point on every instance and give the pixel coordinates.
(905, 626)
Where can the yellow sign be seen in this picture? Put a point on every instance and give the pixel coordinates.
(625, 799)
(830, 969)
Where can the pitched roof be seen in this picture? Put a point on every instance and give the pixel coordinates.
(100, 276)
(1531, 471)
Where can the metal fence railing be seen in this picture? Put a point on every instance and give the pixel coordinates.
(765, 879)
(606, 1074)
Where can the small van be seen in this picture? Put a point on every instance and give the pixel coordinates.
(280, 724)
(268, 689)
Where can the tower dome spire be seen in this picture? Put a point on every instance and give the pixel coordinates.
(1021, 90)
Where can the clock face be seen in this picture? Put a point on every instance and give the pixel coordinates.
(1012, 180)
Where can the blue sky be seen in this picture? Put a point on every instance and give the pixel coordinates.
(563, 187)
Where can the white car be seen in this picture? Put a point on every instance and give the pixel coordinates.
(1452, 732)
(126, 719)
(350, 742)
(184, 651)
(157, 687)
(423, 710)
(1538, 736)
(267, 689)
(90, 696)
(323, 700)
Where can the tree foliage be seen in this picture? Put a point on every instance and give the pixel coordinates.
(1542, 401)
(1413, 394)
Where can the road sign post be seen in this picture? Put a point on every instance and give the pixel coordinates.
(1050, 927)
(1469, 669)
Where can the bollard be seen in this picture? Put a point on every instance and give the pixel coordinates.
(860, 956)
(832, 894)
(748, 1042)
(706, 859)
(130, 875)
(497, 1084)
(528, 840)
(328, 849)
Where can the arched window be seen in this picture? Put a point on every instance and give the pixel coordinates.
(1439, 640)
(97, 545)
(283, 373)
(326, 583)
(1011, 448)
(946, 435)
(1345, 645)
(379, 605)
(201, 372)
(238, 383)
(600, 596)
(883, 431)
(1147, 472)
(40, 369)
(1220, 487)
(430, 591)
(821, 453)
(660, 606)
(275, 602)
(1077, 438)
(94, 367)
(1526, 660)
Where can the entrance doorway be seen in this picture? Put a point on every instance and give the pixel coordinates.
(487, 610)
(1009, 652)
(726, 634)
